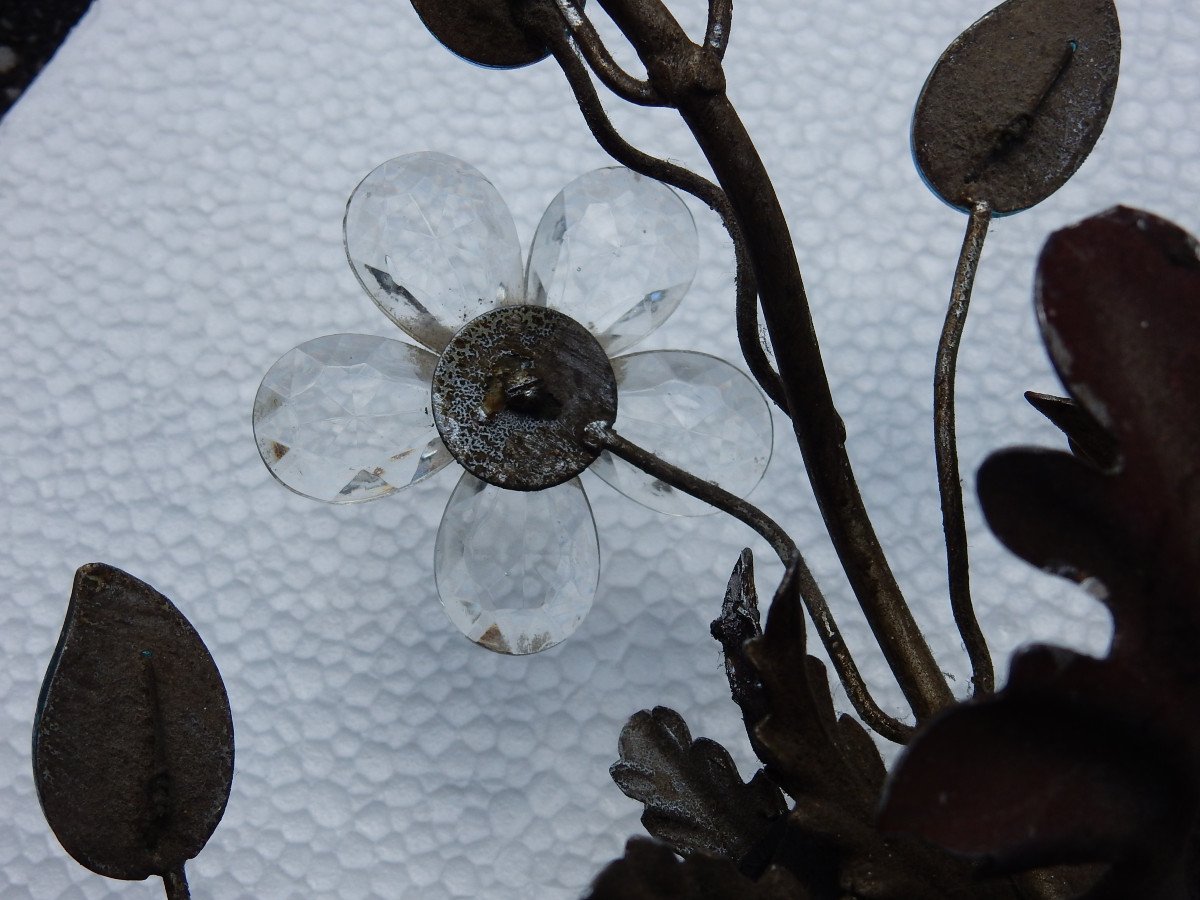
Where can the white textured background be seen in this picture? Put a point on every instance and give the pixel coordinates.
(171, 192)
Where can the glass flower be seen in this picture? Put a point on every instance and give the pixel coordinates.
(352, 417)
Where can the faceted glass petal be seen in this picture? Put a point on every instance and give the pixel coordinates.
(517, 570)
(345, 418)
(433, 244)
(695, 411)
(616, 251)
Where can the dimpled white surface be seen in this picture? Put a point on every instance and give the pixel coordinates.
(171, 195)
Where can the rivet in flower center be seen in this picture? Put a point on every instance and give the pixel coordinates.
(514, 391)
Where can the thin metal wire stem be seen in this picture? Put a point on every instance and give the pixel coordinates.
(175, 884)
(945, 446)
(818, 609)
(569, 57)
(720, 20)
(616, 79)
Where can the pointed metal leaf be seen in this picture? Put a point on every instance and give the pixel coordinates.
(133, 739)
(1087, 439)
(1017, 101)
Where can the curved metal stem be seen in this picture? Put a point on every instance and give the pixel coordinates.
(601, 61)
(856, 689)
(720, 20)
(568, 57)
(945, 448)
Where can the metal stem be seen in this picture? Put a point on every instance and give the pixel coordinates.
(720, 19)
(601, 61)
(687, 78)
(785, 548)
(175, 884)
(945, 448)
(570, 58)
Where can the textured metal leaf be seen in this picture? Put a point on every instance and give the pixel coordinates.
(695, 800)
(1017, 101)
(133, 740)
(798, 737)
(738, 623)
(650, 871)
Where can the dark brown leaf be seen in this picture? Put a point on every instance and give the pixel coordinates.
(1086, 438)
(133, 740)
(650, 871)
(695, 800)
(1056, 513)
(1017, 101)
(738, 623)
(799, 737)
(1118, 297)
(1080, 758)
(1041, 773)
(480, 31)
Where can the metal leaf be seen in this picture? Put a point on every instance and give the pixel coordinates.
(133, 739)
(480, 31)
(1118, 298)
(1080, 758)
(1047, 771)
(799, 737)
(650, 871)
(1017, 101)
(1086, 438)
(695, 800)
(738, 623)
(1057, 514)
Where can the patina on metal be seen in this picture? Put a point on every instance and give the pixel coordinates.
(1017, 101)
(514, 391)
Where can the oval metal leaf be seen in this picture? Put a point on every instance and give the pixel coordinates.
(133, 739)
(480, 31)
(1017, 102)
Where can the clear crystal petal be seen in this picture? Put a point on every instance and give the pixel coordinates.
(433, 244)
(345, 418)
(517, 570)
(695, 411)
(616, 251)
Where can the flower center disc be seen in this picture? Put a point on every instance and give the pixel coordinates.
(513, 392)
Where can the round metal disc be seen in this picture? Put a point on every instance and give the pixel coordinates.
(513, 392)
(480, 31)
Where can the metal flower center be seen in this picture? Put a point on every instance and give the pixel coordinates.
(514, 391)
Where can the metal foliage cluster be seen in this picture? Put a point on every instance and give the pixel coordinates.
(1080, 778)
